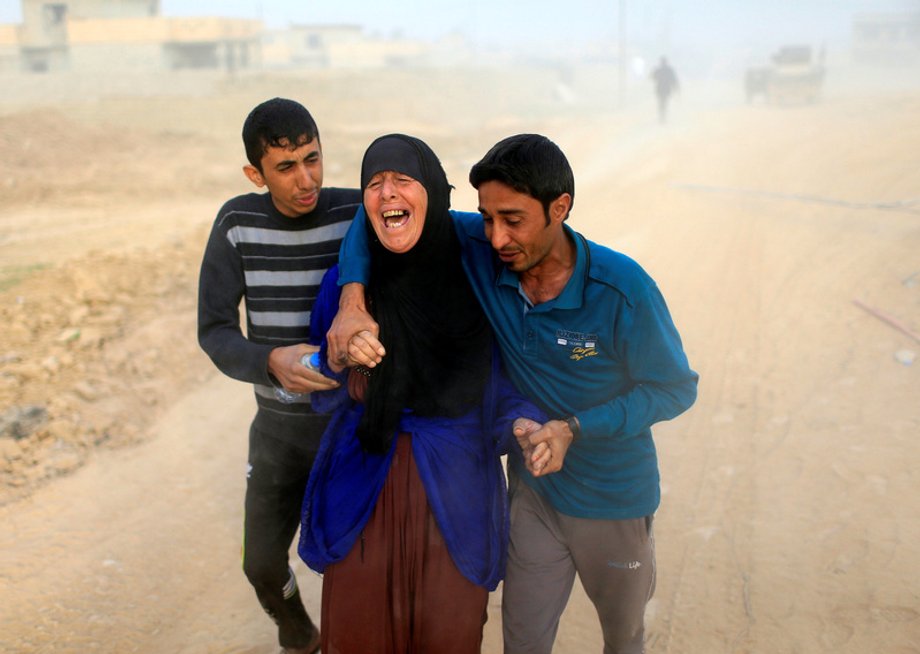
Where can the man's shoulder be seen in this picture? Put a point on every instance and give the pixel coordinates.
(617, 271)
(241, 209)
(245, 202)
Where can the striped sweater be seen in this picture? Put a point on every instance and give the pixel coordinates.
(275, 264)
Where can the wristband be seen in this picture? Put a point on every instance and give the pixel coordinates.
(575, 428)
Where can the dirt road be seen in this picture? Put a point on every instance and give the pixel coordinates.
(790, 520)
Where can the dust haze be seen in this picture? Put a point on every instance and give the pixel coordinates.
(783, 228)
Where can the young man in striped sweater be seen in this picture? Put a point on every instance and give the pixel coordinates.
(272, 249)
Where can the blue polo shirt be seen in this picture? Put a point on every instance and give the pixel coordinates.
(605, 350)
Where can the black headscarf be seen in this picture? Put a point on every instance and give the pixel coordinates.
(437, 338)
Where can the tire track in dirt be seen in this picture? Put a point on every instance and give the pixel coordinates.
(139, 549)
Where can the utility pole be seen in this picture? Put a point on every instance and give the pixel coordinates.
(623, 54)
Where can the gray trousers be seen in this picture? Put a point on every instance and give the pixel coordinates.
(614, 559)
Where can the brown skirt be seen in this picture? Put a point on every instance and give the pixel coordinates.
(398, 590)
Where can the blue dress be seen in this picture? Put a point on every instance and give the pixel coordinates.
(458, 460)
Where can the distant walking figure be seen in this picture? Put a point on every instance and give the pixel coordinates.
(665, 84)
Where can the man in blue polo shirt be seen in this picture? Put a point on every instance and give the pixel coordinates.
(586, 334)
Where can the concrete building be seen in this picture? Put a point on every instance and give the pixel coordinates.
(305, 45)
(9, 48)
(130, 36)
(338, 46)
(887, 38)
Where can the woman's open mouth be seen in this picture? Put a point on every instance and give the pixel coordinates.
(395, 218)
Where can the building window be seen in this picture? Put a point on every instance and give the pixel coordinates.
(193, 56)
(54, 14)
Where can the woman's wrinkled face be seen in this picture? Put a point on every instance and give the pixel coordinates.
(396, 205)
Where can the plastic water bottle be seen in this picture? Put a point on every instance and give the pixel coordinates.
(311, 361)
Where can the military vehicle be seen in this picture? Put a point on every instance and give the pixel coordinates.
(795, 75)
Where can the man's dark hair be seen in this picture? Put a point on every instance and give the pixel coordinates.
(277, 123)
(530, 164)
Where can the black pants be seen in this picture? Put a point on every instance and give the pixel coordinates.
(276, 479)
(663, 107)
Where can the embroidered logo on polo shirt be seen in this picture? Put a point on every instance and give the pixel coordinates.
(580, 345)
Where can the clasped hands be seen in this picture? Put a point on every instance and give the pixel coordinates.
(543, 445)
(352, 337)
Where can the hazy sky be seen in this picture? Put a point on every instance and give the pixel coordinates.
(557, 22)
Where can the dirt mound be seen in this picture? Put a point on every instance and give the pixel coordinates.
(92, 350)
